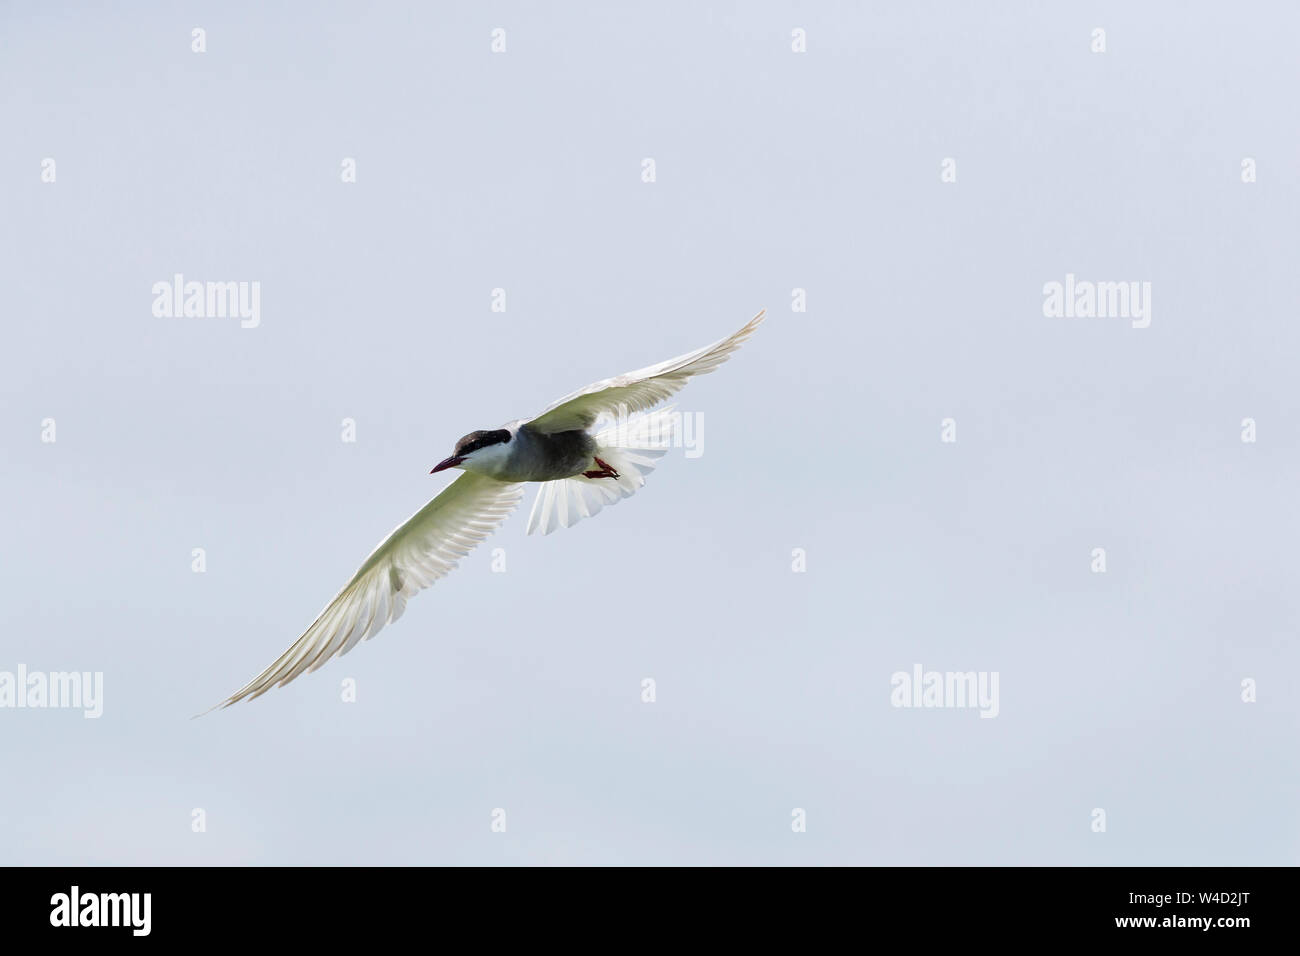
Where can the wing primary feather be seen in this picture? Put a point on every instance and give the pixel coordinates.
(424, 548)
(640, 390)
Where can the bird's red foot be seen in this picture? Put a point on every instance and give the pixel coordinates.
(605, 471)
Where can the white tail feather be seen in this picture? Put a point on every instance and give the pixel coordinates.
(631, 447)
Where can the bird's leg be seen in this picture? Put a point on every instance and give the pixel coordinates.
(605, 471)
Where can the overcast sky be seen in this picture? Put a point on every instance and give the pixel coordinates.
(828, 171)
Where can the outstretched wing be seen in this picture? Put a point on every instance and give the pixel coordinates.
(639, 390)
(410, 559)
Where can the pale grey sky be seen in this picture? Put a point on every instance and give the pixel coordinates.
(775, 170)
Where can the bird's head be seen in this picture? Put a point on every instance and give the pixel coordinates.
(477, 451)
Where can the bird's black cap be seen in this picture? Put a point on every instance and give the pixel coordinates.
(481, 439)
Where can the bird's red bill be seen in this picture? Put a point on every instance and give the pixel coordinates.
(446, 463)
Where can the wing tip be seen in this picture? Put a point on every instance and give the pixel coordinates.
(220, 705)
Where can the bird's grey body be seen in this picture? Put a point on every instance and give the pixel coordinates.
(530, 455)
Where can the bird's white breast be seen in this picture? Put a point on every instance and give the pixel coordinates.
(491, 460)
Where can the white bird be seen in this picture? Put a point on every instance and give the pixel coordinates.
(581, 471)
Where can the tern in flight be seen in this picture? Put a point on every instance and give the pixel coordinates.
(580, 471)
